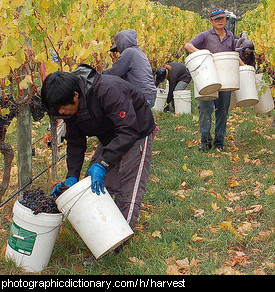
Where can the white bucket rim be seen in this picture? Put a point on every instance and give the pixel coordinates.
(226, 55)
(197, 54)
(182, 94)
(246, 68)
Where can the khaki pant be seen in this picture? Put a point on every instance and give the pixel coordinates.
(126, 181)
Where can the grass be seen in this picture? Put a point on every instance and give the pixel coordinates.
(220, 224)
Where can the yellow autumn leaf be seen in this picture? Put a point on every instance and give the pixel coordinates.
(40, 57)
(156, 234)
(51, 67)
(13, 62)
(4, 68)
(214, 206)
(235, 158)
(270, 190)
(233, 183)
(184, 167)
(196, 238)
(45, 4)
(228, 226)
(24, 84)
(16, 3)
(20, 56)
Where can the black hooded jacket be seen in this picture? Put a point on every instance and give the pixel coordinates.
(111, 109)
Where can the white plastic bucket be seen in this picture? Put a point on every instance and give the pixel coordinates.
(202, 69)
(182, 101)
(209, 96)
(247, 94)
(227, 66)
(32, 237)
(160, 100)
(266, 102)
(96, 218)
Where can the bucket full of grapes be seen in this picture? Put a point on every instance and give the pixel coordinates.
(96, 219)
(36, 223)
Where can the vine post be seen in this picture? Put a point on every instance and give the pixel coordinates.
(24, 126)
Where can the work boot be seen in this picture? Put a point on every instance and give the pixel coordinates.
(205, 147)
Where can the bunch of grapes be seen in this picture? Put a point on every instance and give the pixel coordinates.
(7, 102)
(36, 200)
(37, 108)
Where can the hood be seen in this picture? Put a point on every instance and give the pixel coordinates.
(125, 39)
(248, 44)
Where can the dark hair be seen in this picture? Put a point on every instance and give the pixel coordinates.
(58, 89)
(160, 75)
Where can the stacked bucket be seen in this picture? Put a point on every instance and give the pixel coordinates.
(212, 73)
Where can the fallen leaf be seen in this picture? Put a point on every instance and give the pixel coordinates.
(198, 212)
(170, 261)
(244, 227)
(246, 159)
(236, 158)
(233, 183)
(259, 272)
(149, 207)
(214, 206)
(228, 226)
(196, 238)
(183, 185)
(156, 234)
(135, 260)
(193, 262)
(227, 271)
(264, 235)
(172, 270)
(179, 128)
(206, 173)
(183, 263)
(233, 197)
(184, 167)
(254, 209)
(239, 258)
(270, 190)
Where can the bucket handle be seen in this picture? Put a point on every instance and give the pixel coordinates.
(199, 64)
(83, 192)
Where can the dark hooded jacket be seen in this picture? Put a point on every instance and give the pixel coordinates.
(111, 109)
(248, 59)
(132, 64)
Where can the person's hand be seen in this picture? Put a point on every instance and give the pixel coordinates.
(97, 173)
(56, 191)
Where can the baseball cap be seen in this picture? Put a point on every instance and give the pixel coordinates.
(217, 13)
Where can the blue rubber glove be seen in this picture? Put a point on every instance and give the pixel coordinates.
(97, 173)
(68, 182)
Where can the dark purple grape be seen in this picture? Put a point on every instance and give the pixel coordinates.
(36, 200)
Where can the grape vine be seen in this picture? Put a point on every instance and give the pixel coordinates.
(260, 26)
(80, 31)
